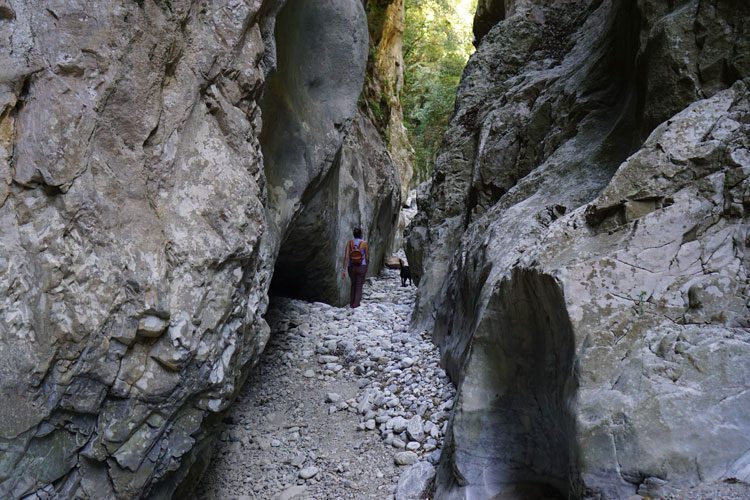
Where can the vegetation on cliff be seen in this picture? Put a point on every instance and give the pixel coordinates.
(437, 44)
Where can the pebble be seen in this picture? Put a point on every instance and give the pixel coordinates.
(406, 458)
(308, 472)
(332, 397)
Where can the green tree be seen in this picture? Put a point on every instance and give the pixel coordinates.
(437, 44)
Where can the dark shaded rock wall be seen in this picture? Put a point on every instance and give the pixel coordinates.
(139, 224)
(328, 168)
(556, 97)
(361, 189)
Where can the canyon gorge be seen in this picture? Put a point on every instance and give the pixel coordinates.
(581, 248)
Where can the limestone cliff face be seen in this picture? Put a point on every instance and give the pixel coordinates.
(319, 189)
(385, 79)
(140, 224)
(576, 297)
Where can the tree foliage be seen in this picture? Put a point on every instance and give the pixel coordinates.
(437, 44)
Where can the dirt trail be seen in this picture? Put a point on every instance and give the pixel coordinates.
(338, 398)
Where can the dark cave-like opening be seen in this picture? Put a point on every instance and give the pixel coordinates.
(514, 414)
(321, 52)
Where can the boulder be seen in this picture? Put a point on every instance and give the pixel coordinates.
(415, 482)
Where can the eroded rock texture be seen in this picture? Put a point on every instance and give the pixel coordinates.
(385, 78)
(137, 240)
(559, 279)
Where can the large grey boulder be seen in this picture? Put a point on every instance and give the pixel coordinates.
(556, 97)
(139, 224)
(415, 482)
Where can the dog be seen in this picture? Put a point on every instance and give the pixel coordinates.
(405, 273)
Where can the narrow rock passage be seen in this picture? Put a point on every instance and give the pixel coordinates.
(340, 398)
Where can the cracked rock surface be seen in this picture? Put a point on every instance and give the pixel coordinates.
(140, 225)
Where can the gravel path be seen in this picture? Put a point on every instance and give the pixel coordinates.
(343, 404)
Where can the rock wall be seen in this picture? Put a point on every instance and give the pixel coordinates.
(385, 78)
(361, 189)
(327, 165)
(139, 223)
(550, 314)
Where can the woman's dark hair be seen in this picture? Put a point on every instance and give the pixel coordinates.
(357, 232)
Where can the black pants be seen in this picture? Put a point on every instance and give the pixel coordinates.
(357, 276)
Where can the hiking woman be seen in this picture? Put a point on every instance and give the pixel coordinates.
(355, 262)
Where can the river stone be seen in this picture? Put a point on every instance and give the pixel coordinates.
(399, 424)
(308, 472)
(415, 428)
(405, 458)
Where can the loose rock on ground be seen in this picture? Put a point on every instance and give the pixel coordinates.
(342, 404)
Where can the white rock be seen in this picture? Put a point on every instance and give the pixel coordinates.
(308, 472)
